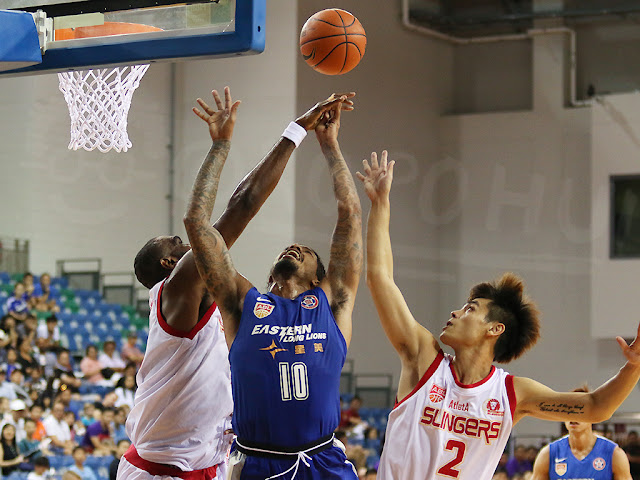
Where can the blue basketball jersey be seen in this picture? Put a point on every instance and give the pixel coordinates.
(596, 466)
(286, 361)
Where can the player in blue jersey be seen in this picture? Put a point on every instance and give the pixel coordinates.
(288, 345)
(581, 454)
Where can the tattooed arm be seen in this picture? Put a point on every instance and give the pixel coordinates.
(539, 401)
(345, 262)
(208, 247)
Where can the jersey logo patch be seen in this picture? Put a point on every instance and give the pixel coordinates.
(273, 349)
(437, 393)
(262, 309)
(599, 463)
(309, 302)
(560, 468)
(493, 407)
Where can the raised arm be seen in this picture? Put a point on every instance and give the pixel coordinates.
(539, 401)
(186, 286)
(415, 344)
(345, 258)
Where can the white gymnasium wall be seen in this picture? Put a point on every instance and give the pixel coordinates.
(73, 204)
(616, 151)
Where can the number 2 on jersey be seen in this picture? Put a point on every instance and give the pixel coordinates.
(447, 469)
(293, 381)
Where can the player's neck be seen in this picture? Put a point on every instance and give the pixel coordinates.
(582, 443)
(290, 288)
(472, 364)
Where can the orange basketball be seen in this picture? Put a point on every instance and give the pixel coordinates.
(332, 41)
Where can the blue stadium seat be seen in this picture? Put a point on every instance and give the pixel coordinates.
(59, 282)
(76, 406)
(5, 277)
(58, 462)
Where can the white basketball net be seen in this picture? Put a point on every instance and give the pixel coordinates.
(99, 102)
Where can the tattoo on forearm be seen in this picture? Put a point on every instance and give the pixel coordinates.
(205, 187)
(346, 245)
(574, 409)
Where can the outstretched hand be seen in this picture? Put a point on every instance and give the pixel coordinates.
(311, 119)
(222, 120)
(377, 177)
(631, 352)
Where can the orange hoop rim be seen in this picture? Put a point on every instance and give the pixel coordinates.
(105, 30)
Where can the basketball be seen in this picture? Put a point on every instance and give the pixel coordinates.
(332, 41)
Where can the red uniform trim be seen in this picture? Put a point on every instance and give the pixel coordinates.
(163, 470)
(477, 384)
(511, 394)
(427, 375)
(179, 333)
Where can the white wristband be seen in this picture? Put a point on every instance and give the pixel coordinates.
(295, 133)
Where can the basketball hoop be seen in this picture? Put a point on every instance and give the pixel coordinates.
(99, 102)
(99, 99)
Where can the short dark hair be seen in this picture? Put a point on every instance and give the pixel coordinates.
(41, 462)
(147, 265)
(509, 306)
(52, 318)
(78, 447)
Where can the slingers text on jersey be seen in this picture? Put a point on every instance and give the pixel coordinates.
(467, 426)
(445, 429)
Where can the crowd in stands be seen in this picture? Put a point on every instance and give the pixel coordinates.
(62, 411)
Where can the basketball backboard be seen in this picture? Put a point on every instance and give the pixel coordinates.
(100, 33)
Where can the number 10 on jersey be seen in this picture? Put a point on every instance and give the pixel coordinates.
(293, 381)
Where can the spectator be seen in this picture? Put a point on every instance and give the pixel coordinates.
(41, 467)
(5, 409)
(351, 416)
(502, 463)
(12, 362)
(130, 370)
(10, 458)
(87, 417)
(42, 294)
(70, 419)
(37, 383)
(25, 357)
(28, 328)
(10, 337)
(27, 281)
(119, 421)
(91, 366)
(16, 306)
(126, 392)
(13, 388)
(130, 352)
(79, 457)
(48, 337)
(632, 449)
(29, 447)
(18, 414)
(110, 358)
(519, 463)
(500, 475)
(58, 431)
(63, 374)
(98, 439)
(35, 414)
(121, 449)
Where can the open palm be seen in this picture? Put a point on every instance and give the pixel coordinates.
(631, 352)
(378, 176)
(221, 121)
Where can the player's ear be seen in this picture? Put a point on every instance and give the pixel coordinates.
(496, 329)
(168, 263)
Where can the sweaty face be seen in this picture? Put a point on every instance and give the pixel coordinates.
(467, 326)
(295, 260)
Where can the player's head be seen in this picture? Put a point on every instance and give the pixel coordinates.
(157, 258)
(579, 427)
(297, 261)
(498, 312)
